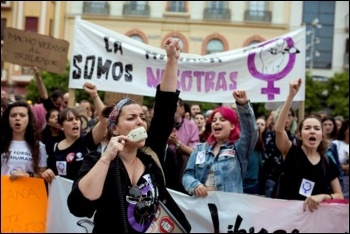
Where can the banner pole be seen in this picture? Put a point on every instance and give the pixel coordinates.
(301, 111)
(71, 100)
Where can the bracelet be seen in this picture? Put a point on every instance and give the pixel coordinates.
(178, 145)
(331, 196)
(31, 174)
(104, 162)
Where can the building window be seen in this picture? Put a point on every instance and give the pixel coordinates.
(214, 46)
(217, 6)
(31, 24)
(258, 11)
(258, 6)
(217, 10)
(137, 38)
(139, 8)
(177, 6)
(3, 26)
(254, 42)
(346, 57)
(95, 7)
(138, 5)
(324, 12)
(5, 4)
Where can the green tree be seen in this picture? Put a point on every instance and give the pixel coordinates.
(54, 81)
(315, 95)
(338, 94)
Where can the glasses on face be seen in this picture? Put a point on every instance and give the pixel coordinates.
(144, 206)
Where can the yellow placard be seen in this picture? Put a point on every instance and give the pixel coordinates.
(23, 205)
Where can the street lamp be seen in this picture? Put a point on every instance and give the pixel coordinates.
(313, 40)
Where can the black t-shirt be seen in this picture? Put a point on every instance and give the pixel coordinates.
(67, 162)
(300, 174)
(49, 140)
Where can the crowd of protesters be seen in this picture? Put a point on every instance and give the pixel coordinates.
(274, 155)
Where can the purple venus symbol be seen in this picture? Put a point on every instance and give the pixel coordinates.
(271, 90)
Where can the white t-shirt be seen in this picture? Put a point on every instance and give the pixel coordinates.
(21, 158)
(343, 151)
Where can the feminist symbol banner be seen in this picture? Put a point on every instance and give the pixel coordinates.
(117, 63)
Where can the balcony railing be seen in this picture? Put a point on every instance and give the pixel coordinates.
(217, 14)
(136, 10)
(93, 7)
(176, 9)
(260, 16)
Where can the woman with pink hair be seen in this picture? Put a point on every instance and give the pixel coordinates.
(39, 113)
(220, 163)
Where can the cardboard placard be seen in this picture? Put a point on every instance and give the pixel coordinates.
(23, 205)
(28, 48)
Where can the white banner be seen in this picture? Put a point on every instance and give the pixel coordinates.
(58, 218)
(117, 63)
(235, 212)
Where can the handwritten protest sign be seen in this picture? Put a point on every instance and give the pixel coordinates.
(31, 49)
(23, 205)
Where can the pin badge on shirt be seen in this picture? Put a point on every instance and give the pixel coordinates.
(200, 158)
(61, 167)
(306, 187)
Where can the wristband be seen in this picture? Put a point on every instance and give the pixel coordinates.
(31, 174)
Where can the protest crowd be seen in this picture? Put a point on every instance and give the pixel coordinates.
(185, 149)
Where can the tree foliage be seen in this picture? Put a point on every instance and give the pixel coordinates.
(54, 81)
(330, 96)
(315, 99)
(338, 94)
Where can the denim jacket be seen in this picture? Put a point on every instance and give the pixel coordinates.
(230, 164)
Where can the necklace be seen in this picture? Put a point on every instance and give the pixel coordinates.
(132, 161)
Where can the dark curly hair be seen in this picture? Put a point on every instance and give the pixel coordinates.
(31, 136)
